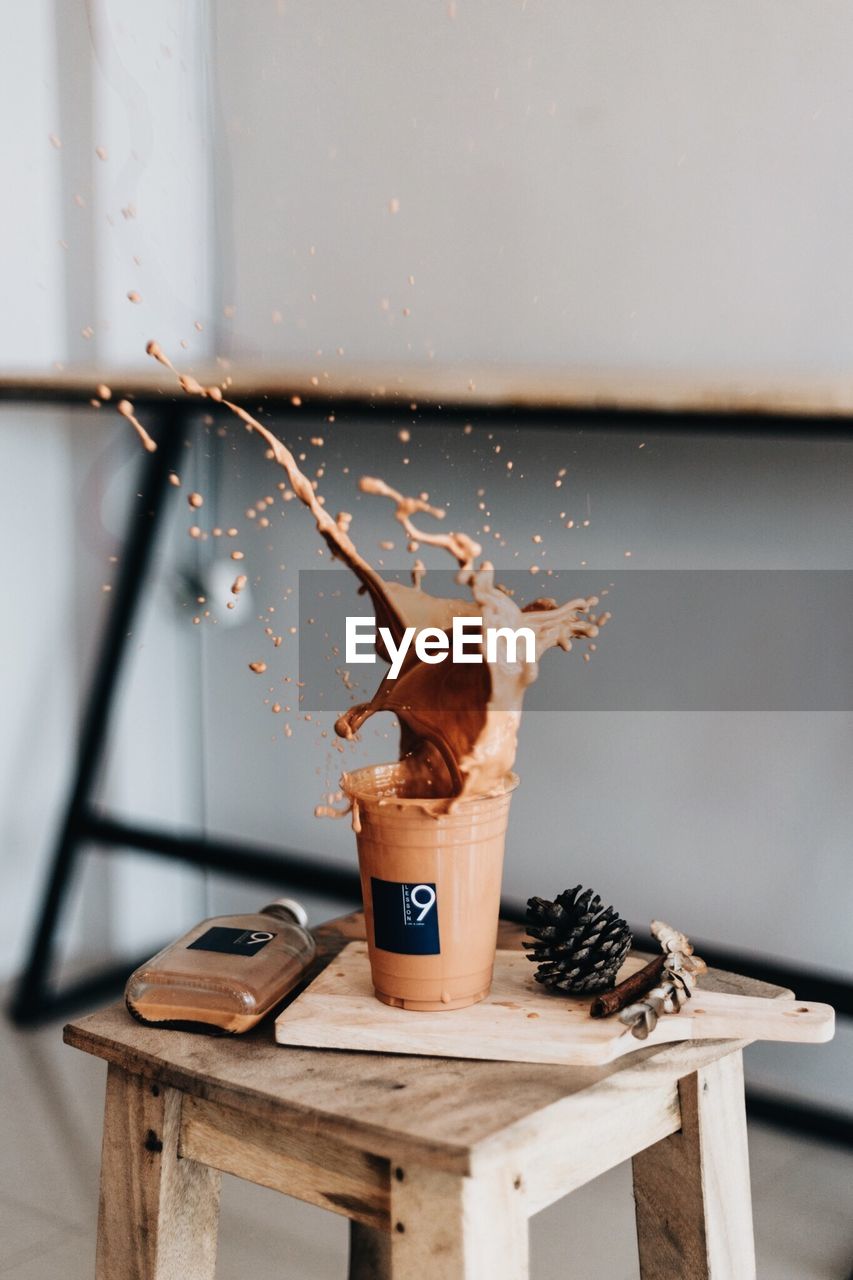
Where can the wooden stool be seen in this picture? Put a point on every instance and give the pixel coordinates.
(438, 1163)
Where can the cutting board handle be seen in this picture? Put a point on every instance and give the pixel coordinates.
(714, 1015)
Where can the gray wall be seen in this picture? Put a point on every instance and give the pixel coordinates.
(579, 186)
(132, 82)
(659, 185)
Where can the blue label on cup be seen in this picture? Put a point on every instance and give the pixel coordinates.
(405, 917)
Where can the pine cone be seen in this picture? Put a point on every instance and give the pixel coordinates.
(579, 947)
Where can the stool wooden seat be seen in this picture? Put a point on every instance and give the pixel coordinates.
(438, 1163)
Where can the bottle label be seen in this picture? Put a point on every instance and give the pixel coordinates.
(405, 917)
(233, 942)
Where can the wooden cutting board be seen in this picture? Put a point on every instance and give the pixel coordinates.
(520, 1022)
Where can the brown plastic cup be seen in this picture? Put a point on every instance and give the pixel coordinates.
(431, 883)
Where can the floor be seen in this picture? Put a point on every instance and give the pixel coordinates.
(50, 1123)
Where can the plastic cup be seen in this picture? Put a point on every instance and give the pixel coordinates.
(431, 883)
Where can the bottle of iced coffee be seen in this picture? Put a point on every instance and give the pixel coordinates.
(226, 973)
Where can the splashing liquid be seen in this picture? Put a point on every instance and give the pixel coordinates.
(458, 723)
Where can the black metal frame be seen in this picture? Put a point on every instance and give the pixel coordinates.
(83, 824)
(36, 999)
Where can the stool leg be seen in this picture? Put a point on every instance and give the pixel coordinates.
(694, 1211)
(158, 1214)
(449, 1227)
(369, 1253)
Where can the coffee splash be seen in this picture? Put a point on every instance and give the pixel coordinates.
(458, 723)
(125, 408)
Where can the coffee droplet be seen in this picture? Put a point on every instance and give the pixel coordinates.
(195, 500)
(125, 408)
(258, 667)
(133, 296)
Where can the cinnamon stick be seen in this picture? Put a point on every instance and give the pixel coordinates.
(631, 989)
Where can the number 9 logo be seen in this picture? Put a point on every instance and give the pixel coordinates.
(425, 902)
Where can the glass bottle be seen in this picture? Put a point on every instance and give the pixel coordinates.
(226, 973)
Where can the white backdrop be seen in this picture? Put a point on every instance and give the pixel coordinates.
(578, 186)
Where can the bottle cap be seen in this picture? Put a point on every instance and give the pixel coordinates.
(295, 908)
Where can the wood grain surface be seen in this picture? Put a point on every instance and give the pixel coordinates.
(357, 1099)
(158, 1214)
(506, 386)
(691, 1191)
(519, 1021)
